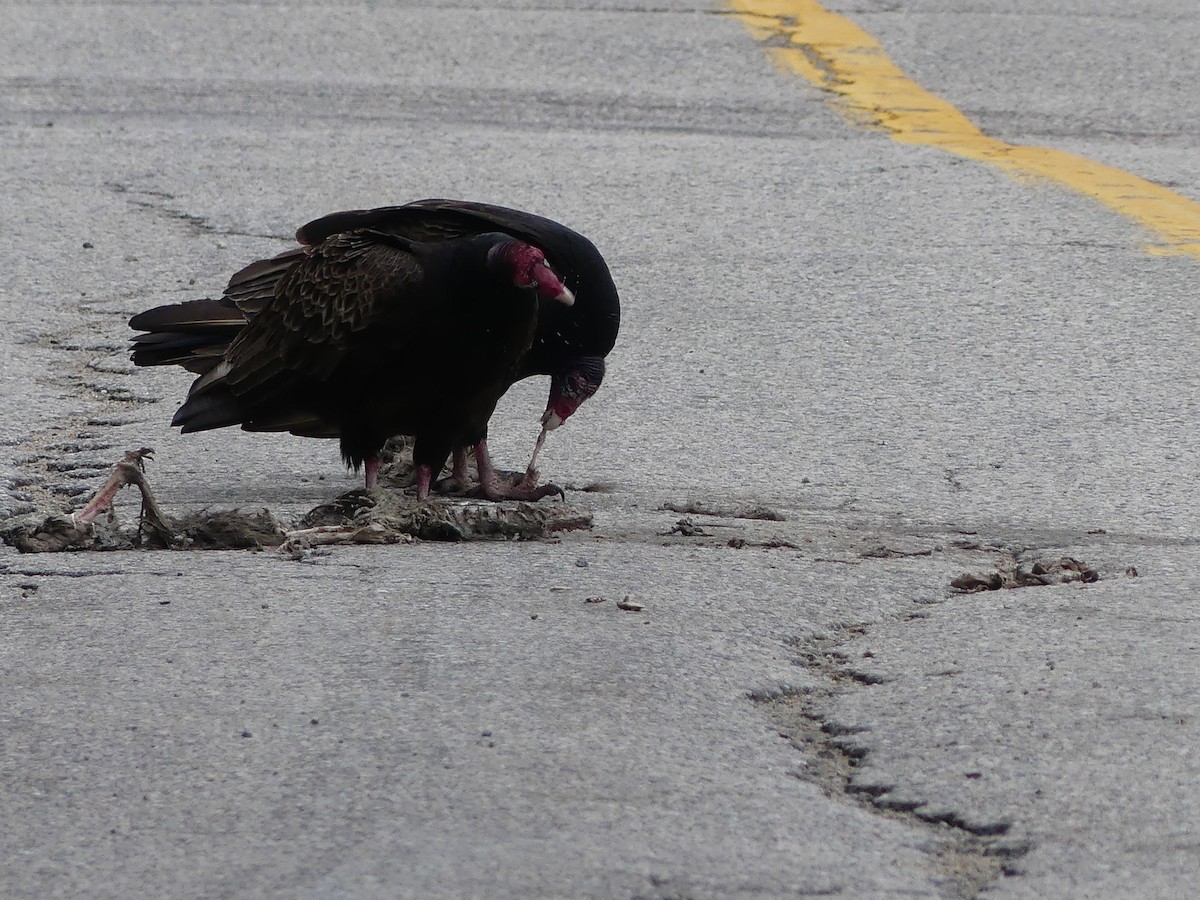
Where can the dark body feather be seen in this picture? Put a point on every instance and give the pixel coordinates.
(564, 334)
(316, 365)
(366, 336)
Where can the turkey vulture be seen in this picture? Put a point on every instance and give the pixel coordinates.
(363, 335)
(569, 343)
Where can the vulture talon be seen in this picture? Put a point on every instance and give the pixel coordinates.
(497, 486)
(452, 486)
(498, 491)
(529, 483)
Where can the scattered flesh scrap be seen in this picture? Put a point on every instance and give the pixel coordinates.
(1059, 571)
(380, 516)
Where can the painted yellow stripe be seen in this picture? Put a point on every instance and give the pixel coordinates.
(838, 56)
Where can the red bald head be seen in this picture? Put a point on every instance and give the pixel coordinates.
(526, 266)
(570, 387)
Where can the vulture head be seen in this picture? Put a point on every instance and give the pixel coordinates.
(575, 383)
(526, 266)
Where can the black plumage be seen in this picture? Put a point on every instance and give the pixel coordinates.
(361, 329)
(568, 338)
(364, 336)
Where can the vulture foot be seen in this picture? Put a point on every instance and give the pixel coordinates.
(495, 485)
(423, 477)
(500, 489)
(458, 481)
(452, 486)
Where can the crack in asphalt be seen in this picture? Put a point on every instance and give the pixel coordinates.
(159, 203)
(970, 857)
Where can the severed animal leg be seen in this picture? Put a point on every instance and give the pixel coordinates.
(128, 471)
(496, 488)
(531, 472)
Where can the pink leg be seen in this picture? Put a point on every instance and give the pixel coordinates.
(458, 480)
(459, 472)
(371, 467)
(456, 483)
(424, 477)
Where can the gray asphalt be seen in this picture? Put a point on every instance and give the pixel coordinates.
(926, 366)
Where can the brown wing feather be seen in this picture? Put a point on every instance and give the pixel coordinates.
(190, 316)
(193, 334)
(253, 287)
(303, 333)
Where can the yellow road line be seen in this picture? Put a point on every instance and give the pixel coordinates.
(838, 56)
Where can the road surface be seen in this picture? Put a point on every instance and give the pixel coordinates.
(929, 363)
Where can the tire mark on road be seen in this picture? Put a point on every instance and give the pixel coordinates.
(833, 53)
